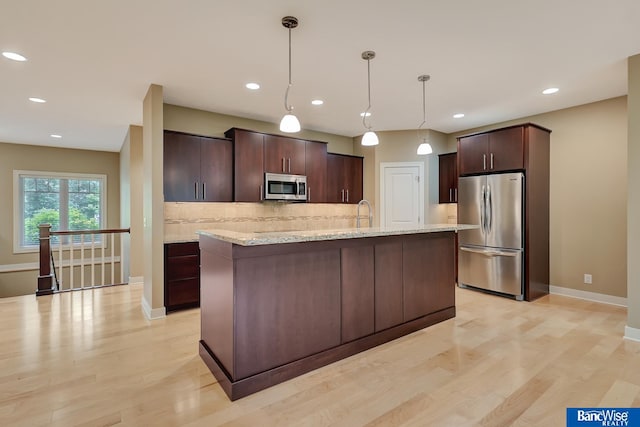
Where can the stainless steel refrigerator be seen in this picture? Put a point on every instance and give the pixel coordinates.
(492, 256)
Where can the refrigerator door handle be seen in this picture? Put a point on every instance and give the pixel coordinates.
(482, 209)
(489, 214)
(489, 252)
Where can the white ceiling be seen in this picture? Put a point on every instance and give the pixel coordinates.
(94, 60)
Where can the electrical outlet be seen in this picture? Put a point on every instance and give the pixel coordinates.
(588, 279)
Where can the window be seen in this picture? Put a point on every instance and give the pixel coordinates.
(66, 201)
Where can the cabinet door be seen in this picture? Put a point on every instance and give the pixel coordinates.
(506, 149)
(248, 166)
(284, 155)
(316, 171)
(448, 178)
(353, 179)
(181, 165)
(216, 170)
(335, 180)
(473, 154)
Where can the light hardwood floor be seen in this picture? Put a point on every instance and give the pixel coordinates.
(91, 358)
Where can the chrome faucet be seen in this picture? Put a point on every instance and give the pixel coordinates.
(360, 203)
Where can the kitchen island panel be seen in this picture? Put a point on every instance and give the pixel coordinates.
(357, 292)
(428, 274)
(216, 300)
(388, 285)
(287, 307)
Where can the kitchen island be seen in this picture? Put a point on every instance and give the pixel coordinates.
(276, 305)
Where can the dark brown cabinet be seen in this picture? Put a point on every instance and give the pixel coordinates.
(448, 178)
(181, 276)
(344, 178)
(497, 151)
(248, 163)
(196, 168)
(284, 155)
(316, 171)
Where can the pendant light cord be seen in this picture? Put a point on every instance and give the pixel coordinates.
(286, 94)
(423, 79)
(364, 116)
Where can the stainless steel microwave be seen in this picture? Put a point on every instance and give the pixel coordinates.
(285, 187)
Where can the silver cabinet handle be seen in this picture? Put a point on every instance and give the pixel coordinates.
(347, 196)
(204, 191)
(491, 161)
(450, 194)
(283, 165)
(195, 190)
(308, 194)
(342, 195)
(261, 193)
(289, 161)
(484, 162)
(455, 192)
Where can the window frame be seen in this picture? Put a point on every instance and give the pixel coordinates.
(18, 203)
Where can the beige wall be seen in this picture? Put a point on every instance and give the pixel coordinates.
(401, 146)
(131, 215)
(37, 158)
(633, 195)
(214, 124)
(153, 209)
(588, 195)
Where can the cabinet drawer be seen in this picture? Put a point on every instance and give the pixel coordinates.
(180, 292)
(179, 249)
(182, 267)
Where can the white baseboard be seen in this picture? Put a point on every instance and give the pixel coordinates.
(632, 334)
(136, 280)
(152, 314)
(589, 296)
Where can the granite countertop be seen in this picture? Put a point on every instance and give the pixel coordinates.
(276, 237)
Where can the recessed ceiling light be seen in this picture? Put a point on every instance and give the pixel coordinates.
(14, 56)
(362, 114)
(458, 115)
(252, 86)
(317, 102)
(37, 100)
(550, 90)
(53, 135)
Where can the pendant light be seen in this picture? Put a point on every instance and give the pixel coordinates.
(424, 148)
(370, 137)
(289, 122)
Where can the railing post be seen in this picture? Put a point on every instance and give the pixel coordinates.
(45, 279)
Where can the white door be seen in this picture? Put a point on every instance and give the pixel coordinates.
(401, 195)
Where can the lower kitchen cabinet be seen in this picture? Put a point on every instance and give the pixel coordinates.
(181, 276)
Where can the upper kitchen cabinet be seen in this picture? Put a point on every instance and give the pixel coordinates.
(448, 178)
(284, 155)
(344, 178)
(316, 171)
(248, 162)
(196, 168)
(496, 151)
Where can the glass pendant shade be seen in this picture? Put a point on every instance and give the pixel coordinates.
(289, 124)
(370, 138)
(424, 148)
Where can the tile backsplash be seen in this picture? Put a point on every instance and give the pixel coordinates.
(182, 220)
